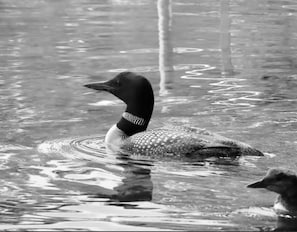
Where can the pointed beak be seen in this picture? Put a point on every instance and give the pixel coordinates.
(258, 184)
(100, 86)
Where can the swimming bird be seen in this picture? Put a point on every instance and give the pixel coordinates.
(129, 134)
(283, 182)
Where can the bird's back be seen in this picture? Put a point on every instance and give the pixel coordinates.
(185, 141)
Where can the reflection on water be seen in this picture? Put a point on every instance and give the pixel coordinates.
(165, 45)
(227, 66)
(225, 38)
(132, 183)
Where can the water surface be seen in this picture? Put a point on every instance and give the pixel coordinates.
(228, 66)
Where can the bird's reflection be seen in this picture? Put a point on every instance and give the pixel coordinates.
(136, 184)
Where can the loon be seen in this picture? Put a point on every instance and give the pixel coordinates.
(129, 134)
(283, 182)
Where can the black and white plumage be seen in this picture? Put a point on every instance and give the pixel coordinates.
(130, 134)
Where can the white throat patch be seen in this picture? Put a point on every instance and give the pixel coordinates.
(114, 139)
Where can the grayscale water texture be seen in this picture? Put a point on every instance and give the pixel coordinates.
(224, 65)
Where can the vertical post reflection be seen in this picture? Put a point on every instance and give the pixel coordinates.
(165, 45)
(225, 38)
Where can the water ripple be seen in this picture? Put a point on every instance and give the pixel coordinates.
(201, 67)
(178, 50)
(91, 148)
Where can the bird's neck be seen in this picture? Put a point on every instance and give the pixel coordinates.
(290, 196)
(131, 124)
(285, 205)
(114, 139)
(136, 117)
(128, 125)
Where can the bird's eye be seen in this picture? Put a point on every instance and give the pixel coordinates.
(279, 177)
(118, 83)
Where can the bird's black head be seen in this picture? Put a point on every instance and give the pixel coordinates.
(135, 90)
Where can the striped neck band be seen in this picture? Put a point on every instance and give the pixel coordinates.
(133, 119)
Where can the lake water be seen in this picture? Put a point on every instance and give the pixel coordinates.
(227, 66)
